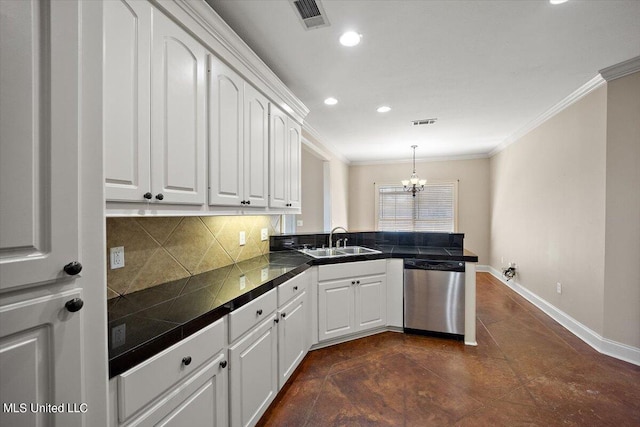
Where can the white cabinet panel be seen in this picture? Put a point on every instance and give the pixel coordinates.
(253, 364)
(295, 153)
(279, 159)
(127, 46)
(256, 153)
(41, 350)
(177, 114)
(226, 115)
(39, 150)
(371, 307)
(336, 308)
(292, 336)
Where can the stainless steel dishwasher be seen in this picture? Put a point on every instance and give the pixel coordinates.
(434, 297)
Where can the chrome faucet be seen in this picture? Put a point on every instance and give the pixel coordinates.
(331, 235)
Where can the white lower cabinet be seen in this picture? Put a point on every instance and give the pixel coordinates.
(186, 384)
(351, 298)
(294, 333)
(253, 373)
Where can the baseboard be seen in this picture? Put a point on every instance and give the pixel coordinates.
(603, 345)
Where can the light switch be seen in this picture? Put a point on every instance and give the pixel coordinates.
(243, 238)
(264, 274)
(243, 282)
(264, 234)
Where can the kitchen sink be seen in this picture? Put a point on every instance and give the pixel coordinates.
(338, 252)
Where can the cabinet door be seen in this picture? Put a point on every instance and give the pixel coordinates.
(371, 303)
(279, 158)
(336, 315)
(126, 102)
(226, 108)
(177, 114)
(256, 147)
(295, 195)
(39, 145)
(200, 400)
(41, 351)
(292, 336)
(253, 373)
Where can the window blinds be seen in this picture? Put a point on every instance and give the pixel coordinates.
(431, 210)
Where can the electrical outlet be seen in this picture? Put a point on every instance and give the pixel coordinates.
(243, 282)
(299, 223)
(264, 234)
(264, 274)
(243, 238)
(559, 287)
(118, 335)
(117, 257)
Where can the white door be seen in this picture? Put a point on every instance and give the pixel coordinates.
(292, 336)
(178, 122)
(126, 99)
(41, 360)
(39, 145)
(371, 302)
(336, 306)
(279, 158)
(226, 107)
(256, 147)
(253, 374)
(295, 145)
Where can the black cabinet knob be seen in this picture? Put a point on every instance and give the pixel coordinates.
(295, 288)
(186, 360)
(223, 364)
(276, 320)
(74, 305)
(358, 282)
(248, 202)
(283, 315)
(259, 312)
(72, 268)
(147, 195)
(242, 202)
(353, 282)
(160, 196)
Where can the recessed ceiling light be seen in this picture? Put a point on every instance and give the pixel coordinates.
(331, 101)
(558, 1)
(350, 38)
(383, 109)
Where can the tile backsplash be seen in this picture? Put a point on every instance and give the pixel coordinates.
(162, 249)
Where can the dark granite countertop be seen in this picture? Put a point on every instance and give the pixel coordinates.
(144, 323)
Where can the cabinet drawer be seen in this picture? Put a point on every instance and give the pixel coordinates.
(292, 288)
(351, 269)
(246, 317)
(140, 385)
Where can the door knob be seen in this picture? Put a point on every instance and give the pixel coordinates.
(147, 195)
(74, 305)
(72, 268)
(160, 196)
(186, 360)
(223, 364)
(259, 312)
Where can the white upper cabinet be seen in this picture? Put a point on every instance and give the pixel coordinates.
(285, 140)
(154, 107)
(127, 126)
(177, 114)
(238, 144)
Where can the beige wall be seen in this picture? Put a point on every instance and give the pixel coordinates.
(312, 194)
(622, 239)
(473, 195)
(548, 209)
(338, 182)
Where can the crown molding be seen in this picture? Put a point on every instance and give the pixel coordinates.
(621, 69)
(574, 97)
(422, 160)
(197, 17)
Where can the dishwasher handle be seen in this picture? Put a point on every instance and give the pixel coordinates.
(437, 265)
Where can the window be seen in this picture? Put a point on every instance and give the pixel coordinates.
(434, 209)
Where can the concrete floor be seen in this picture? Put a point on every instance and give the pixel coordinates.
(527, 370)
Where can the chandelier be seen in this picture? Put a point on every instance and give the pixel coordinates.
(414, 184)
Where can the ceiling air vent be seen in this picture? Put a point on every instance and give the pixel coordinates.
(424, 122)
(311, 13)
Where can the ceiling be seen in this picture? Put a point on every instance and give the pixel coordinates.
(485, 69)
